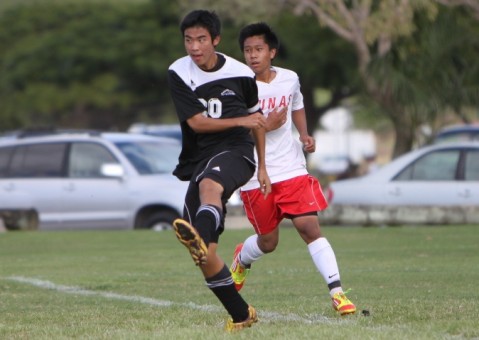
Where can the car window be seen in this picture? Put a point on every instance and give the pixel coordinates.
(5, 154)
(471, 172)
(38, 160)
(86, 160)
(434, 166)
(151, 157)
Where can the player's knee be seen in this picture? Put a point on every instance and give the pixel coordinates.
(267, 245)
(210, 187)
(308, 231)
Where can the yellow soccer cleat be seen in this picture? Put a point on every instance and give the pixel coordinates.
(190, 238)
(238, 272)
(236, 326)
(342, 304)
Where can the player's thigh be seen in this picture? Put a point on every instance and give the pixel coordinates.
(231, 170)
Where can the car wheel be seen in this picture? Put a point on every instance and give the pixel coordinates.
(160, 220)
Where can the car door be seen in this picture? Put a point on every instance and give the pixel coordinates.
(469, 187)
(430, 180)
(33, 175)
(92, 199)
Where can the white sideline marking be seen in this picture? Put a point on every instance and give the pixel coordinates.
(265, 316)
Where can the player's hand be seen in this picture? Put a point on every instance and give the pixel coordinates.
(264, 182)
(253, 121)
(309, 144)
(276, 118)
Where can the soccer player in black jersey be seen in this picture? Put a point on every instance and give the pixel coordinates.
(216, 100)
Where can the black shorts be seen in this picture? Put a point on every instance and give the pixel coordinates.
(232, 169)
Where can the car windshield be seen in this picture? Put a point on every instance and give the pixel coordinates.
(150, 157)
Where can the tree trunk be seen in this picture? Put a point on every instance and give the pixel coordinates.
(404, 133)
(312, 115)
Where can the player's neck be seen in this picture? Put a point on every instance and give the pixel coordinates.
(212, 64)
(267, 76)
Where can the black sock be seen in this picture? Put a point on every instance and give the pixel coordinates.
(207, 220)
(334, 284)
(223, 287)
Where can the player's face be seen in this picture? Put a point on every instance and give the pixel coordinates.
(200, 47)
(257, 54)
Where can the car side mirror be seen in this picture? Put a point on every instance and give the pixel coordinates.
(112, 170)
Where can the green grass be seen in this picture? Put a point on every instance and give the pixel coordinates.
(417, 283)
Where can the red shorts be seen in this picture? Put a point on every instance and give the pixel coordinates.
(296, 196)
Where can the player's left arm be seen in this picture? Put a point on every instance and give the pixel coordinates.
(299, 121)
(260, 144)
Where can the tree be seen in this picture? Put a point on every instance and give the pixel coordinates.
(473, 5)
(372, 27)
(377, 30)
(85, 64)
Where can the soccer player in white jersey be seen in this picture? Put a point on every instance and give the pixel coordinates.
(216, 100)
(295, 194)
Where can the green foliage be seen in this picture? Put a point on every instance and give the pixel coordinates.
(59, 57)
(143, 285)
(102, 63)
(432, 70)
(316, 54)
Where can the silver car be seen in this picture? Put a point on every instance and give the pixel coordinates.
(439, 175)
(91, 180)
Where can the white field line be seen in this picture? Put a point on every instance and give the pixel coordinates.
(265, 316)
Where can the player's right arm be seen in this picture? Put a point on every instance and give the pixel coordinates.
(201, 124)
(190, 109)
(276, 118)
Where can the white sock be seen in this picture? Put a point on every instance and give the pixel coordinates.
(325, 261)
(250, 252)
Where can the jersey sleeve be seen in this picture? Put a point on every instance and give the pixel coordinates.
(251, 95)
(297, 97)
(185, 100)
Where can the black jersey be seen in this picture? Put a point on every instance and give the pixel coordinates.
(228, 92)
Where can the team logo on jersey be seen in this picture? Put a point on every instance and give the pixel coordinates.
(228, 92)
(216, 168)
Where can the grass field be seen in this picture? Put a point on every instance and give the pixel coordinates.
(416, 282)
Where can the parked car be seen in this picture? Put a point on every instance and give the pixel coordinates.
(162, 130)
(92, 180)
(436, 175)
(457, 133)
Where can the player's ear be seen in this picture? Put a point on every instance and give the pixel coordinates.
(272, 53)
(216, 41)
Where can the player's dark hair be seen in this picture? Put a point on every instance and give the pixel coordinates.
(262, 29)
(202, 18)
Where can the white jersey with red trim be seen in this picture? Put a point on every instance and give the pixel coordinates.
(284, 153)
